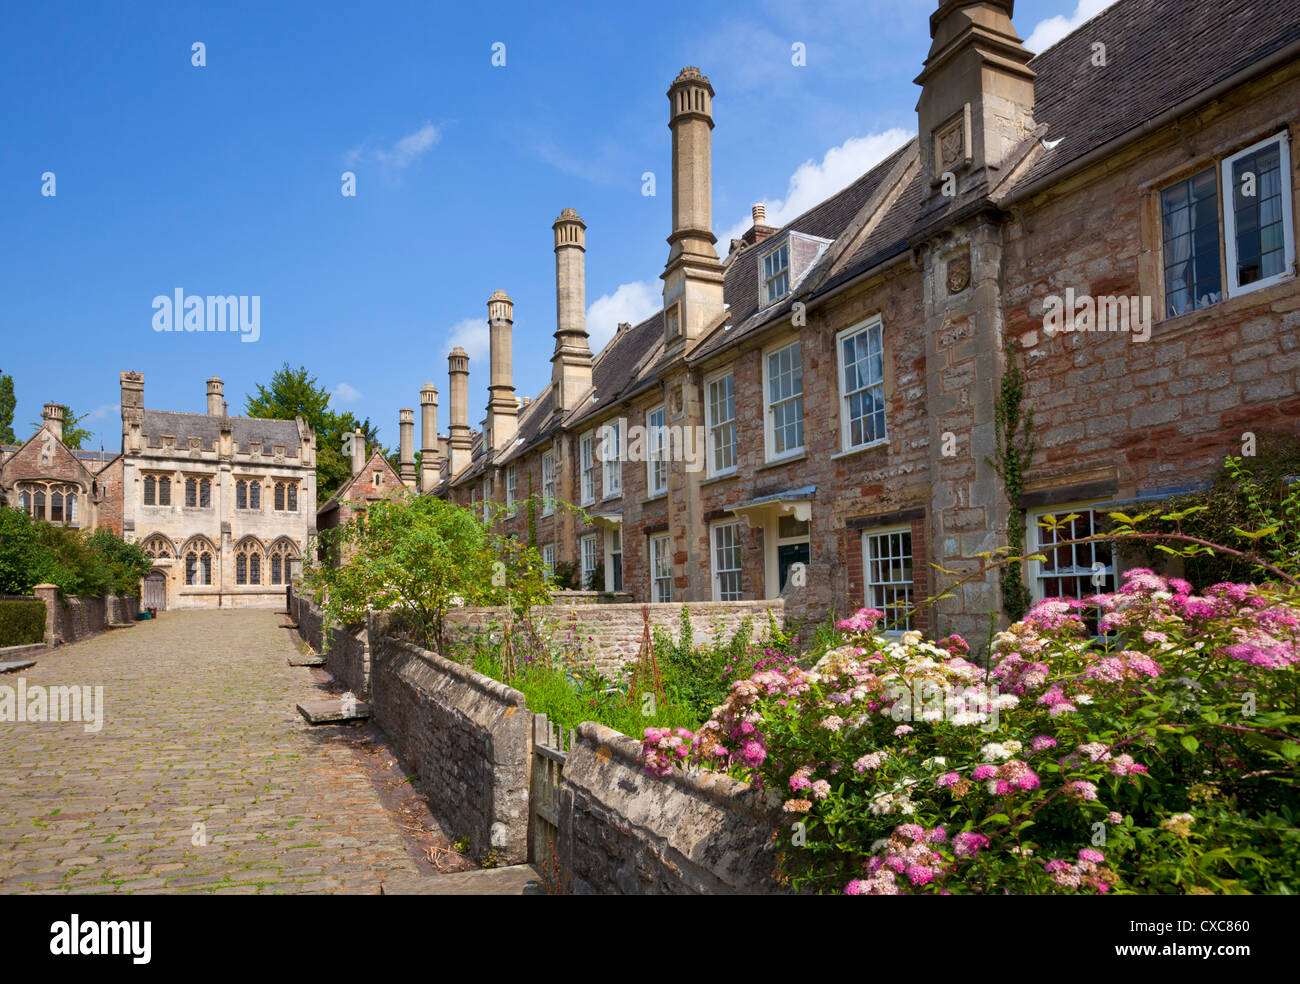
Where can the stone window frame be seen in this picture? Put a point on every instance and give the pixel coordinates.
(250, 565)
(158, 546)
(280, 556)
(285, 489)
(548, 483)
(204, 553)
(592, 540)
(766, 279)
(873, 323)
(247, 486)
(1151, 264)
(548, 559)
(889, 590)
(660, 547)
(717, 571)
(27, 489)
(611, 477)
(769, 427)
(712, 424)
(162, 483)
(587, 468)
(656, 451)
(202, 488)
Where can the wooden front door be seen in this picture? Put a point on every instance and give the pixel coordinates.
(155, 592)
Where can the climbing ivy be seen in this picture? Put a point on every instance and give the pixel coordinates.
(1014, 428)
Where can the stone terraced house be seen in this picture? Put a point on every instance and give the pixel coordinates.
(1118, 213)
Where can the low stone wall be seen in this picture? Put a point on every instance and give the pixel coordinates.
(73, 618)
(623, 832)
(469, 738)
(347, 652)
(610, 634)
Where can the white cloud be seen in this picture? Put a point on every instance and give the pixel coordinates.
(103, 411)
(406, 150)
(1047, 32)
(344, 393)
(632, 303)
(812, 182)
(471, 334)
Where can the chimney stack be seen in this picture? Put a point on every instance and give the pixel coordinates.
(458, 439)
(53, 417)
(358, 451)
(571, 363)
(216, 404)
(503, 410)
(406, 452)
(693, 275)
(977, 97)
(428, 438)
(132, 408)
(760, 214)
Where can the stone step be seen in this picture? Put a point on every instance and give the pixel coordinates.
(310, 659)
(518, 879)
(333, 711)
(14, 665)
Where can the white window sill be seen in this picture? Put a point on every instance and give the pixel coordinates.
(786, 459)
(884, 443)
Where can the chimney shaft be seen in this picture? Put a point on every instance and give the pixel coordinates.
(458, 440)
(428, 437)
(571, 363)
(216, 404)
(692, 276)
(358, 451)
(53, 418)
(503, 411)
(132, 408)
(406, 453)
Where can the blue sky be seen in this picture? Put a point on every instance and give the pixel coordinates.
(225, 179)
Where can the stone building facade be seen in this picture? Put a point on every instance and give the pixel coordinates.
(814, 414)
(225, 505)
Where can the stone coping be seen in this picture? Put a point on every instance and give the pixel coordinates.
(485, 685)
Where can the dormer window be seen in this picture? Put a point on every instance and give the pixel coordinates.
(776, 273)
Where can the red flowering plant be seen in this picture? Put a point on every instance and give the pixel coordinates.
(1157, 756)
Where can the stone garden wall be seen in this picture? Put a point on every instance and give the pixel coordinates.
(73, 618)
(623, 832)
(610, 634)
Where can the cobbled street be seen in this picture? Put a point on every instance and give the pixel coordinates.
(199, 728)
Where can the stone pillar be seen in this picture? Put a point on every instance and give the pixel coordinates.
(571, 363)
(503, 409)
(458, 441)
(429, 456)
(49, 593)
(406, 429)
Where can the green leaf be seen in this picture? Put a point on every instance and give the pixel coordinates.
(1189, 743)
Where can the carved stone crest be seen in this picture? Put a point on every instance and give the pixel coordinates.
(959, 272)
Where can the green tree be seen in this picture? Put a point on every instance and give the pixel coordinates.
(74, 435)
(422, 556)
(7, 405)
(297, 393)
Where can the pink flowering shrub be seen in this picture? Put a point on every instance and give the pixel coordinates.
(1159, 758)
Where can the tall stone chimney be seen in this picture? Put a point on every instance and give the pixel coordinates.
(977, 97)
(132, 408)
(503, 408)
(458, 436)
(429, 456)
(358, 451)
(216, 403)
(693, 275)
(406, 452)
(53, 418)
(571, 363)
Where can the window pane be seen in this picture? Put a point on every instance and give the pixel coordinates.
(1191, 244)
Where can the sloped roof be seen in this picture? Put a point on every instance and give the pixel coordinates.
(1159, 53)
(207, 429)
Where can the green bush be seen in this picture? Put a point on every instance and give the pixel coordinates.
(21, 622)
(78, 561)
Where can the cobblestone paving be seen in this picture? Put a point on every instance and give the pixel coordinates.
(199, 728)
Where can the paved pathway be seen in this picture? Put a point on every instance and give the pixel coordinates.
(199, 728)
